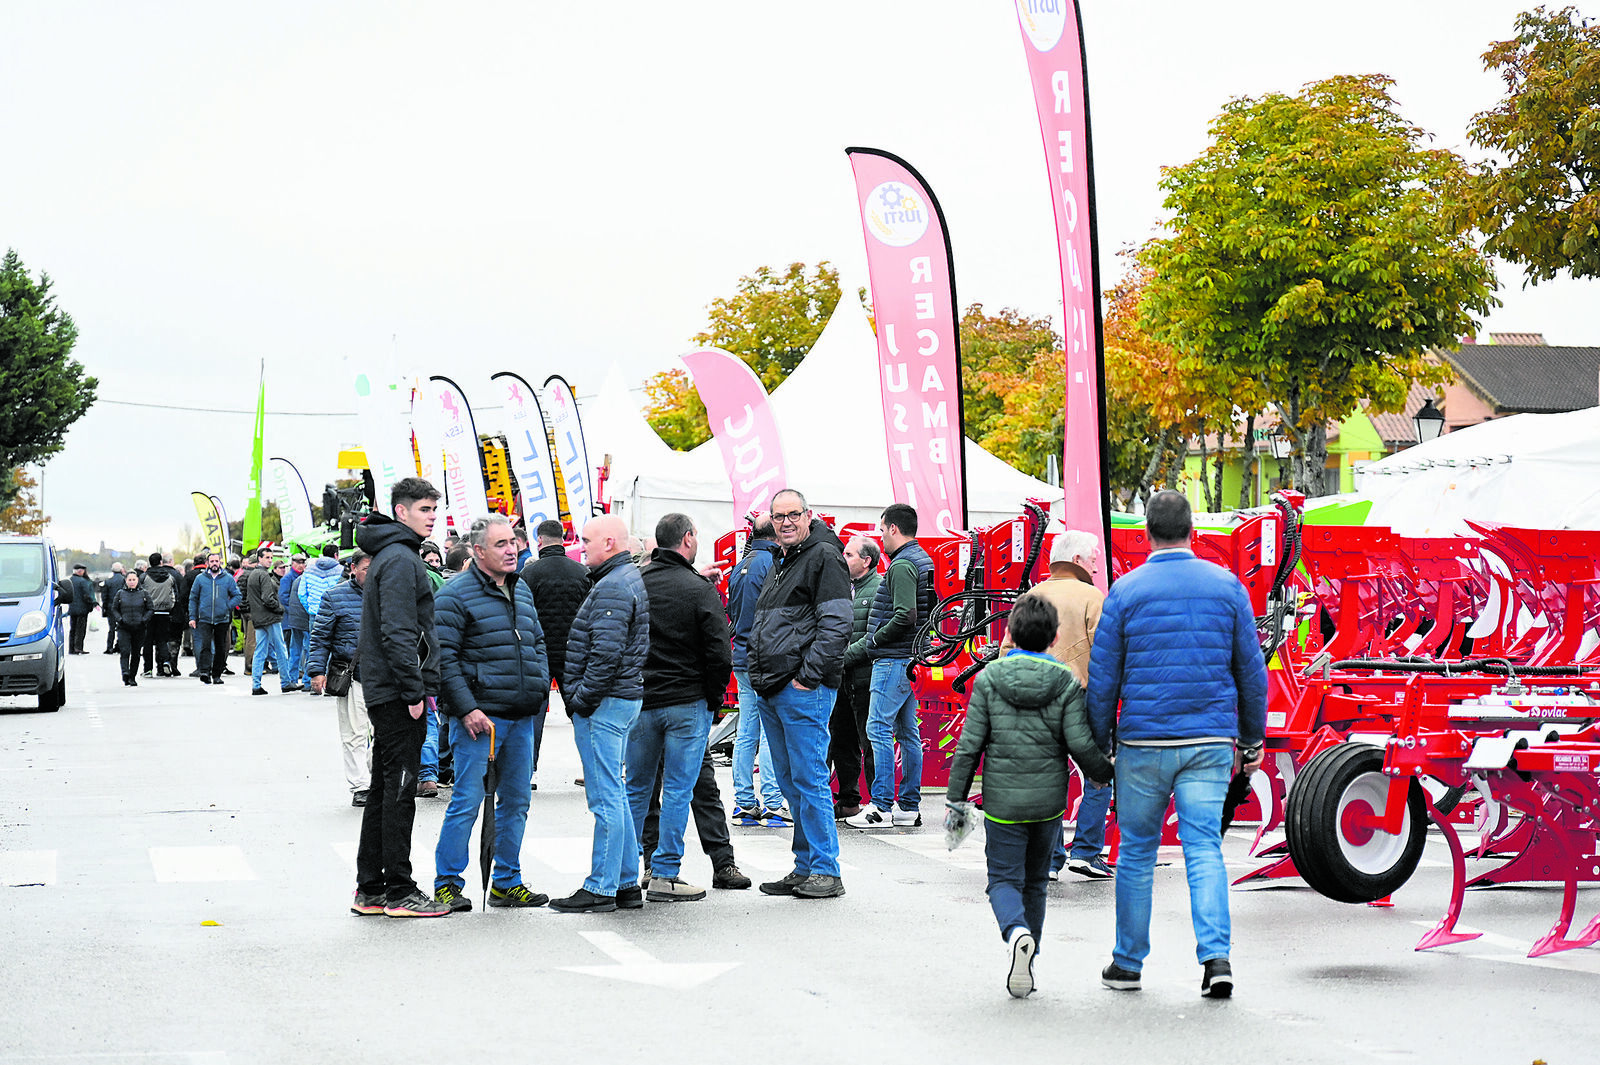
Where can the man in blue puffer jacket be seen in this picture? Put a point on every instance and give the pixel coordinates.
(1177, 647)
(604, 691)
(492, 671)
(212, 596)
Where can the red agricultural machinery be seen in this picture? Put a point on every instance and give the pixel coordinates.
(1452, 681)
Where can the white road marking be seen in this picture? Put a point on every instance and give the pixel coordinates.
(27, 867)
(931, 845)
(174, 865)
(774, 854)
(636, 965)
(1580, 960)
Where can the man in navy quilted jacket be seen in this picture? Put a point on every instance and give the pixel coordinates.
(1177, 649)
(492, 671)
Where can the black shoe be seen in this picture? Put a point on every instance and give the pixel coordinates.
(819, 886)
(269, 669)
(226, 672)
(216, 680)
(293, 688)
(1117, 978)
(195, 673)
(1218, 979)
(449, 895)
(357, 798)
(729, 878)
(416, 904)
(785, 886)
(630, 897)
(147, 674)
(205, 679)
(364, 905)
(584, 901)
(516, 897)
(258, 691)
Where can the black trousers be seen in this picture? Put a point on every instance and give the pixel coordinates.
(212, 642)
(848, 749)
(111, 631)
(130, 638)
(383, 856)
(710, 822)
(80, 625)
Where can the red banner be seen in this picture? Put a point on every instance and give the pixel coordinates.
(743, 425)
(1052, 37)
(919, 357)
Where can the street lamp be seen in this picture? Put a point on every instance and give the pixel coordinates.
(1429, 422)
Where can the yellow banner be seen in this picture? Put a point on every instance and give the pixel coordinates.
(212, 531)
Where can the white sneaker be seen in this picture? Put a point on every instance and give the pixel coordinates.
(905, 818)
(870, 817)
(1019, 979)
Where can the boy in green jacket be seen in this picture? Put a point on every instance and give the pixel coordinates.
(1026, 715)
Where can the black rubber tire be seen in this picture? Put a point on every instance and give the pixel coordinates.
(1343, 871)
(55, 698)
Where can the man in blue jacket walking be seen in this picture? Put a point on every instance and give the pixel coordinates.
(492, 671)
(212, 597)
(1177, 647)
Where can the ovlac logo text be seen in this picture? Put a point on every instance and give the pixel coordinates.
(895, 214)
(1043, 21)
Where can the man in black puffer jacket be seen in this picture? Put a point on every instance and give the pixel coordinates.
(496, 684)
(604, 689)
(685, 674)
(399, 670)
(795, 659)
(559, 585)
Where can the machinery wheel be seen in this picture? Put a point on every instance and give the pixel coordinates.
(55, 698)
(1331, 839)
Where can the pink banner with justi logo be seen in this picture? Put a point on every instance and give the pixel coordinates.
(743, 425)
(914, 308)
(1052, 37)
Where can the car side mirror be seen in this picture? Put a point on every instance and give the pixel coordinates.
(63, 591)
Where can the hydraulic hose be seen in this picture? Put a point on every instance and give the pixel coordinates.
(1500, 666)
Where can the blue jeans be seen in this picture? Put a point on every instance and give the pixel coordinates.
(514, 756)
(673, 737)
(1147, 777)
(893, 716)
(797, 723)
(294, 641)
(602, 740)
(430, 745)
(752, 737)
(1019, 873)
(269, 641)
(1089, 834)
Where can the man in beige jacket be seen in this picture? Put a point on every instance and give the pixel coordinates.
(1074, 558)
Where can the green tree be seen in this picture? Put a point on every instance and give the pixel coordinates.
(770, 322)
(45, 389)
(1542, 207)
(1315, 252)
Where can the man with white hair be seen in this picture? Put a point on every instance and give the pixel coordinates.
(1074, 559)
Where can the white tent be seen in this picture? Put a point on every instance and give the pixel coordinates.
(830, 413)
(1538, 471)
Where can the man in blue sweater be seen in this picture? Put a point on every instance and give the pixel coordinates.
(1177, 648)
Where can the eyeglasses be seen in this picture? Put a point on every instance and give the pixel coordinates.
(787, 519)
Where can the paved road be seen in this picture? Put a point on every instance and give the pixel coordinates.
(135, 815)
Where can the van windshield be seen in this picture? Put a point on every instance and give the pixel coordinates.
(22, 570)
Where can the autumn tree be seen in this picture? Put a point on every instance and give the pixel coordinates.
(44, 389)
(770, 322)
(1012, 386)
(1314, 251)
(21, 515)
(1541, 207)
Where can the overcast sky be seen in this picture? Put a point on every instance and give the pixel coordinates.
(545, 187)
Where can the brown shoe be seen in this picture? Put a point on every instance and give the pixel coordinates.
(427, 789)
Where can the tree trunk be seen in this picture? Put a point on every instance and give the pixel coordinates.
(1205, 482)
(1153, 467)
(1313, 461)
(1179, 452)
(1221, 464)
(1247, 477)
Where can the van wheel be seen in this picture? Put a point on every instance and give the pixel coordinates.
(1328, 823)
(54, 699)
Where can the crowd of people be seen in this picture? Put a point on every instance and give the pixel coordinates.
(443, 663)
